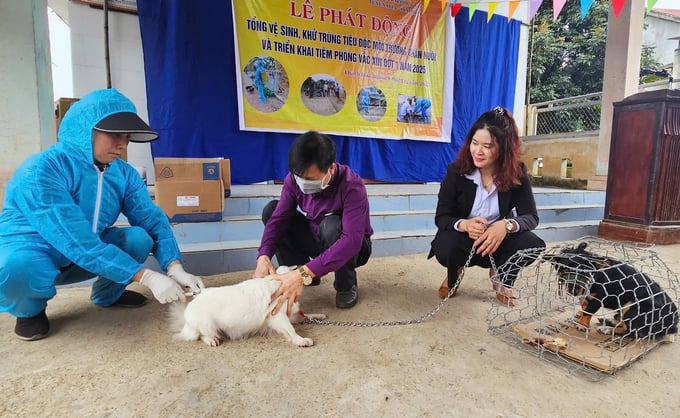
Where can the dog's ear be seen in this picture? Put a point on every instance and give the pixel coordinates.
(558, 260)
(582, 246)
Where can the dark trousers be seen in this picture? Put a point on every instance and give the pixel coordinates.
(452, 249)
(299, 245)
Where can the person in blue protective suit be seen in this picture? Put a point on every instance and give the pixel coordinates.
(365, 100)
(60, 206)
(259, 80)
(422, 108)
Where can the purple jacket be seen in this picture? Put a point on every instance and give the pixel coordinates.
(345, 195)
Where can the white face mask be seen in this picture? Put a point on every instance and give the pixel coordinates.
(311, 186)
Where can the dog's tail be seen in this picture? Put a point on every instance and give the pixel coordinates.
(176, 316)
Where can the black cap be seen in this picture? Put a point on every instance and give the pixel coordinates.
(127, 122)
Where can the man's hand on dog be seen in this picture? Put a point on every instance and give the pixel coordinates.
(290, 290)
(488, 241)
(264, 267)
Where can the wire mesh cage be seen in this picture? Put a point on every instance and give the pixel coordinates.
(590, 306)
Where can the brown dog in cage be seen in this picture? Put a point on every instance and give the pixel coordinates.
(642, 308)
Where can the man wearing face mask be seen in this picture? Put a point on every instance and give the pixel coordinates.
(331, 231)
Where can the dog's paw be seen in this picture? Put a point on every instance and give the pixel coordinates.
(211, 341)
(607, 327)
(303, 342)
(573, 322)
(605, 330)
(319, 316)
(579, 326)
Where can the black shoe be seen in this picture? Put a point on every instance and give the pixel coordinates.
(130, 299)
(347, 298)
(32, 328)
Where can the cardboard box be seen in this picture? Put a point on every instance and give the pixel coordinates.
(225, 164)
(600, 351)
(61, 106)
(190, 189)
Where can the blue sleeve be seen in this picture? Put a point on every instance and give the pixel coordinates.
(141, 211)
(46, 202)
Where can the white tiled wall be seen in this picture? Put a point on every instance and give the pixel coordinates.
(126, 63)
(26, 117)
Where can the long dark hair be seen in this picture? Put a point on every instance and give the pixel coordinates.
(502, 127)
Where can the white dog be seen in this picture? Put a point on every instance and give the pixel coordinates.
(238, 311)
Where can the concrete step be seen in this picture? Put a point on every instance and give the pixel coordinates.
(249, 200)
(567, 213)
(206, 258)
(250, 227)
(401, 215)
(548, 196)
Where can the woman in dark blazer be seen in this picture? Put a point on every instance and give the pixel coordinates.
(476, 202)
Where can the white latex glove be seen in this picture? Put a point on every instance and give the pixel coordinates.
(164, 289)
(187, 280)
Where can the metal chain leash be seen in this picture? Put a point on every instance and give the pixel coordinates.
(419, 320)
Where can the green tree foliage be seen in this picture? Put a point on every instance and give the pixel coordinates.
(649, 66)
(567, 56)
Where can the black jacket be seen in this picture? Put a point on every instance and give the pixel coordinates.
(457, 195)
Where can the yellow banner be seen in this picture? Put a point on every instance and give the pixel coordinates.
(370, 69)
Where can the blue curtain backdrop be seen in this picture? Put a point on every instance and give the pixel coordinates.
(189, 60)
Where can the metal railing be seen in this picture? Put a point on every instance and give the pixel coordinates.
(572, 114)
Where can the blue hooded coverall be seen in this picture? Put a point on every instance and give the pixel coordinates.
(59, 208)
(259, 82)
(421, 108)
(365, 100)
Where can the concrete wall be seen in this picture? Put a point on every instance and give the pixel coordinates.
(126, 63)
(26, 115)
(661, 27)
(580, 147)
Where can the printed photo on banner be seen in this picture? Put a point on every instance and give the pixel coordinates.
(322, 94)
(265, 84)
(371, 103)
(389, 58)
(414, 109)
